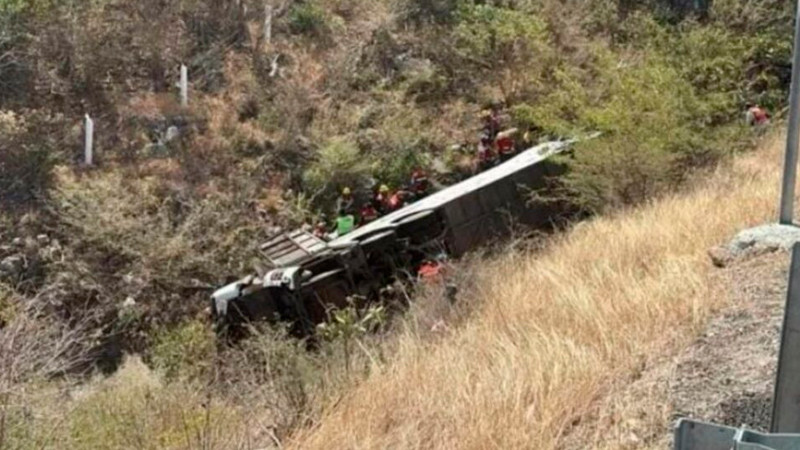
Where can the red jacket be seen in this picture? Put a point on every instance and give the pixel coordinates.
(368, 214)
(430, 271)
(505, 145)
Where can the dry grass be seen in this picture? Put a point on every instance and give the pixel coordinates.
(557, 330)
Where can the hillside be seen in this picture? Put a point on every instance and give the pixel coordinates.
(530, 367)
(565, 365)
(105, 270)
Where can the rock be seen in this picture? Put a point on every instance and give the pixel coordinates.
(172, 133)
(43, 239)
(12, 266)
(31, 244)
(766, 237)
(129, 302)
(17, 242)
(720, 256)
(633, 439)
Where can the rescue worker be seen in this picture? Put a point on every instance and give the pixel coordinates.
(486, 156)
(368, 213)
(381, 199)
(419, 183)
(398, 199)
(429, 271)
(321, 229)
(434, 271)
(505, 145)
(346, 201)
(345, 223)
(491, 122)
(756, 115)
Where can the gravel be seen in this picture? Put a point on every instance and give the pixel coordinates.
(727, 375)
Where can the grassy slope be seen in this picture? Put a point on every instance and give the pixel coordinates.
(556, 331)
(554, 336)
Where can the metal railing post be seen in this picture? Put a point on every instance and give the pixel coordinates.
(790, 159)
(786, 401)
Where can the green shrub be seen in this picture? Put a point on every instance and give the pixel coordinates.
(309, 19)
(7, 308)
(339, 163)
(185, 351)
(420, 12)
(26, 160)
(499, 34)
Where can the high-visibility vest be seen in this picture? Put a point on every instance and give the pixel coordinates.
(345, 224)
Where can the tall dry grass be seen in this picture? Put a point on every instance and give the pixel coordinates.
(556, 330)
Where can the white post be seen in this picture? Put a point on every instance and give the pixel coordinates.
(89, 140)
(184, 86)
(268, 24)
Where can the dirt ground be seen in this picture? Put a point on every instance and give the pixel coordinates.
(726, 375)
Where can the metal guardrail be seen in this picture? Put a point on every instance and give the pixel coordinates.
(693, 435)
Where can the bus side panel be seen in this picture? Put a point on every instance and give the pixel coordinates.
(488, 213)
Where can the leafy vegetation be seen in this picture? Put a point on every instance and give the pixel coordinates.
(349, 92)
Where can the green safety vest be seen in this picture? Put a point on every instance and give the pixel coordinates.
(345, 224)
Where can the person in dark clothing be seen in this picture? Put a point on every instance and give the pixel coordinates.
(346, 202)
(419, 183)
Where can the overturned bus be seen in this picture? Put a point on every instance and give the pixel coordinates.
(307, 276)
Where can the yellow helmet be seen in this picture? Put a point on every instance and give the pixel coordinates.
(346, 191)
(383, 189)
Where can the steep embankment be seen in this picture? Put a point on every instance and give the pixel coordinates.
(560, 331)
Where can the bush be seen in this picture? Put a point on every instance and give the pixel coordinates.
(26, 160)
(135, 408)
(15, 74)
(339, 163)
(308, 19)
(185, 351)
(420, 12)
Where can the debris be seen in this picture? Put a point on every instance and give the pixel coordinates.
(129, 302)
